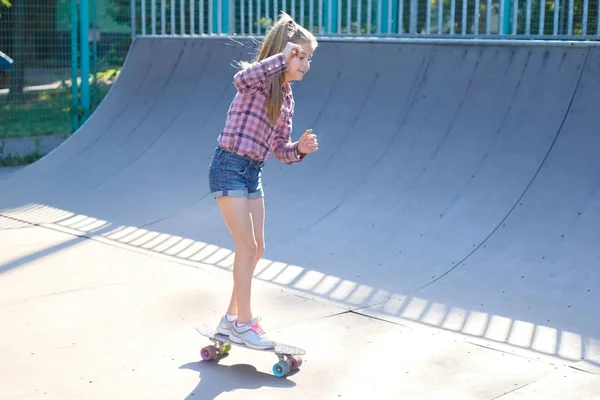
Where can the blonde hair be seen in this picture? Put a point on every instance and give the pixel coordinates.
(283, 31)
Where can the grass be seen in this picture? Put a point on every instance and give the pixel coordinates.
(42, 113)
(14, 160)
(46, 112)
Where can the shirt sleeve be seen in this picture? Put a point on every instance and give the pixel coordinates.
(284, 149)
(256, 73)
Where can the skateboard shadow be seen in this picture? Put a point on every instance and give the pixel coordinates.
(216, 379)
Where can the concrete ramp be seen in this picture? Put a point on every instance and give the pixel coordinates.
(456, 191)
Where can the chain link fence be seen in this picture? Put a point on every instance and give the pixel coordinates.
(42, 39)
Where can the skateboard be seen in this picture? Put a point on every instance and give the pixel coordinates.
(289, 356)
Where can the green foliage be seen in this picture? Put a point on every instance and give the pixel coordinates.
(41, 113)
(13, 160)
(48, 112)
(119, 11)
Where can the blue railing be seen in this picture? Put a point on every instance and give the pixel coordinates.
(501, 19)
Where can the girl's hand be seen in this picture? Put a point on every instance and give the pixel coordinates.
(308, 142)
(291, 50)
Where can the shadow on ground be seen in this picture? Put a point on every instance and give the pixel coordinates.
(216, 379)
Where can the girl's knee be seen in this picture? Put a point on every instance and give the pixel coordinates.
(260, 249)
(248, 250)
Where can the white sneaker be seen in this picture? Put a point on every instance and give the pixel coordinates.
(225, 326)
(251, 335)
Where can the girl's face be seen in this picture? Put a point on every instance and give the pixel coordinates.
(300, 64)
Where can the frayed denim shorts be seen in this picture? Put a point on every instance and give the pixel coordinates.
(233, 175)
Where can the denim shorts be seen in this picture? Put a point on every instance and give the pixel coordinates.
(233, 175)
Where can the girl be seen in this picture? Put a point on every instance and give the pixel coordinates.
(259, 120)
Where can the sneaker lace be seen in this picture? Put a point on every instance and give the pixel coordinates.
(257, 328)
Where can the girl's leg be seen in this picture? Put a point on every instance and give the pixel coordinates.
(237, 216)
(257, 214)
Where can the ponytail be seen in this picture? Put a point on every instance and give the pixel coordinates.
(283, 31)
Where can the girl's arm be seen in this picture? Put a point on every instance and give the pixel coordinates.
(284, 149)
(257, 72)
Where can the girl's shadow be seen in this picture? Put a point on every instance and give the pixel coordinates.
(216, 379)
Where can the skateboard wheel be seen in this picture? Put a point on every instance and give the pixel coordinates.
(280, 369)
(225, 348)
(296, 362)
(208, 353)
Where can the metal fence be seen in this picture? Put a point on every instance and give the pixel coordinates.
(496, 19)
(44, 41)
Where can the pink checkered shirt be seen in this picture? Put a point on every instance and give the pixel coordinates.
(248, 131)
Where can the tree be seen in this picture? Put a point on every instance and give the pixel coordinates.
(119, 11)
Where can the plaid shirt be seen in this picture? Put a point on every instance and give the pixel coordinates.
(248, 130)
